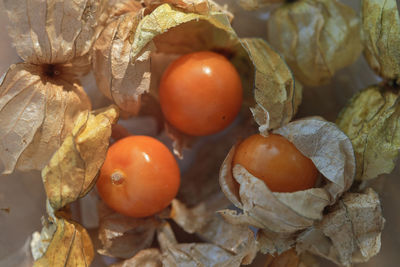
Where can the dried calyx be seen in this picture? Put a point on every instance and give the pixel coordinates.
(371, 117)
(316, 54)
(41, 98)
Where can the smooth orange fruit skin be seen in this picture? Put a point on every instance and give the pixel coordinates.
(201, 93)
(277, 162)
(151, 179)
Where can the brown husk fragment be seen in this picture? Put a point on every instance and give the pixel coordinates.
(171, 29)
(147, 257)
(349, 233)
(371, 120)
(331, 41)
(38, 105)
(123, 236)
(282, 215)
(381, 37)
(72, 170)
(290, 258)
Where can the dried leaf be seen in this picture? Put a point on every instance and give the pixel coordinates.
(316, 38)
(53, 32)
(274, 84)
(123, 236)
(72, 170)
(287, 213)
(350, 232)
(70, 245)
(381, 28)
(371, 120)
(37, 112)
(145, 258)
(256, 4)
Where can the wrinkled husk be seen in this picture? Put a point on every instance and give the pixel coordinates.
(148, 257)
(371, 119)
(61, 243)
(381, 37)
(123, 236)
(316, 38)
(73, 168)
(123, 53)
(36, 114)
(54, 32)
(255, 4)
(281, 215)
(39, 100)
(349, 233)
(195, 254)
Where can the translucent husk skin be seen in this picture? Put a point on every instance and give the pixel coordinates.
(315, 37)
(41, 98)
(372, 116)
(69, 175)
(381, 31)
(371, 120)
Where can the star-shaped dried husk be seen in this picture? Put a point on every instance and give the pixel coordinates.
(36, 113)
(371, 119)
(256, 4)
(122, 236)
(54, 32)
(40, 99)
(282, 215)
(349, 233)
(123, 53)
(73, 168)
(381, 37)
(316, 38)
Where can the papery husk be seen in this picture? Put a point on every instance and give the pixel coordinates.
(274, 90)
(37, 111)
(256, 4)
(122, 236)
(371, 120)
(284, 214)
(54, 32)
(381, 31)
(316, 38)
(211, 227)
(350, 232)
(148, 258)
(72, 170)
(194, 254)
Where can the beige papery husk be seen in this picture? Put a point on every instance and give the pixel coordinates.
(199, 237)
(371, 117)
(69, 175)
(282, 216)
(135, 48)
(41, 98)
(315, 37)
